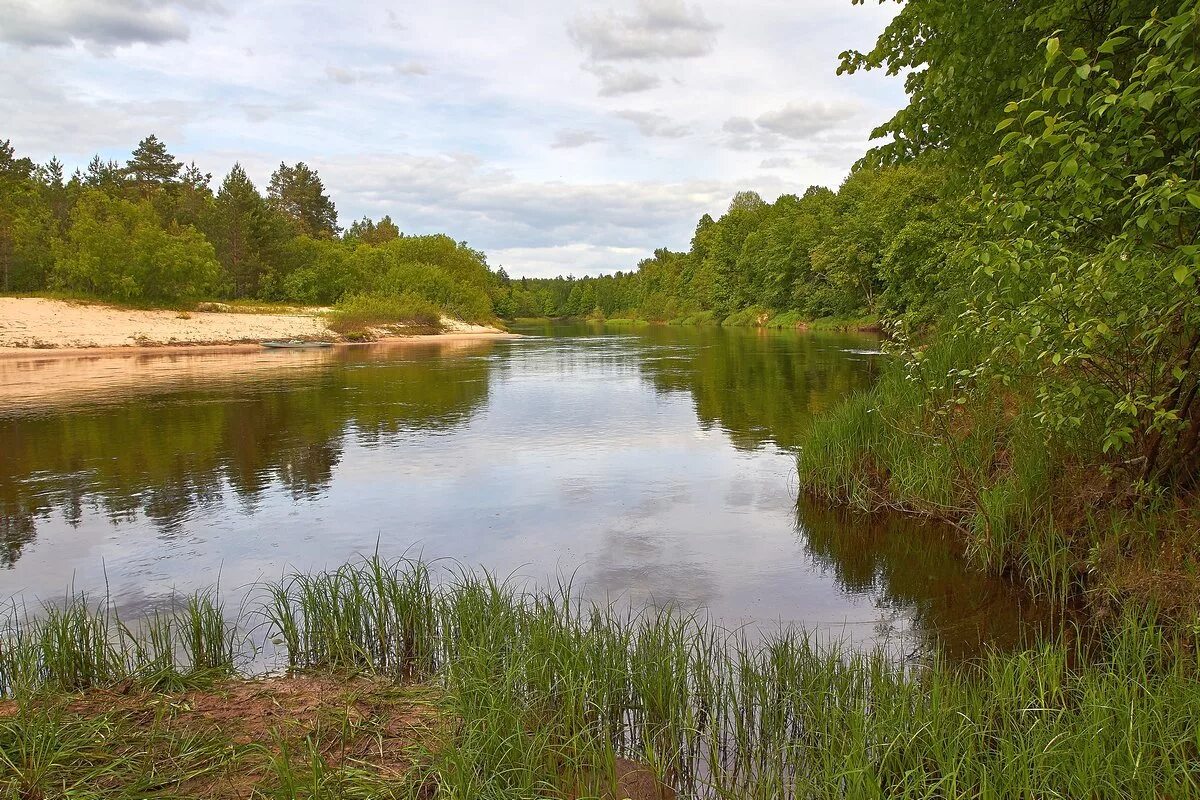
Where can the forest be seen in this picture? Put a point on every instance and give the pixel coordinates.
(877, 247)
(1049, 409)
(152, 232)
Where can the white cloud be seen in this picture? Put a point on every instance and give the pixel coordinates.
(777, 162)
(566, 139)
(412, 68)
(651, 123)
(570, 259)
(798, 122)
(805, 120)
(494, 140)
(261, 112)
(614, 82)
(657, 29)
(343, 76)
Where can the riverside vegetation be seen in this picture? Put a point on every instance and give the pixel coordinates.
(1030, 230)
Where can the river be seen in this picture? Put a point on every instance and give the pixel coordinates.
(645, 464)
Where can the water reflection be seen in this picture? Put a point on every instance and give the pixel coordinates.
(916, 570)
(162, 435)
(652, 465)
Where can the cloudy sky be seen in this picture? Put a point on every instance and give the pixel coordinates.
(558, 136)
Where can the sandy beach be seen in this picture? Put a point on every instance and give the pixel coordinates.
(35, 325)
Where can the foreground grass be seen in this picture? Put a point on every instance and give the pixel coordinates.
(537, 694)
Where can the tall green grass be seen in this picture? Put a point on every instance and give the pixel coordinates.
(81, 644)
(545, 692)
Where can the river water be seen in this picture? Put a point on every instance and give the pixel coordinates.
(647, 465)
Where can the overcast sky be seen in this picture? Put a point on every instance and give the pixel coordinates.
(557, 136)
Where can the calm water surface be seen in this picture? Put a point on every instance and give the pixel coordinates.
(651, 464)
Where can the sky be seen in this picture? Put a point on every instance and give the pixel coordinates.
(559, 137)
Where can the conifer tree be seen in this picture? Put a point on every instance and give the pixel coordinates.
(299, 195)
(243, 233)
(151, 166)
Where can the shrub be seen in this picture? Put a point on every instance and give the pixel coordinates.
(355, 313)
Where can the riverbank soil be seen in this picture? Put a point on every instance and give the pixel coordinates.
(293, 736)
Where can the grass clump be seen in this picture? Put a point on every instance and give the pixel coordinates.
(358, 315)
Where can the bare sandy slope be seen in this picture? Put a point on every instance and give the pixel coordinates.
(34, 322)
(37, 322)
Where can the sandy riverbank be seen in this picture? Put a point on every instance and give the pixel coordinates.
(35, 325)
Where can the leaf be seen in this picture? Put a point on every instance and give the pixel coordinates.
(1194, 198)
(1182, 273)
(1052, 48)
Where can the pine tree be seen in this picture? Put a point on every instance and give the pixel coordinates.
(298, 193)
(189, 205)
(101, 174)
(151, 166)
(243, 233)
(51, 173)
(50, 176)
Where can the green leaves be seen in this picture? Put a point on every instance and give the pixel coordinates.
(1053, 46)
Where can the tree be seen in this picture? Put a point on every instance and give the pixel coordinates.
(299, 195)
(190, 201)
(1086, 288)
(151, 167)
(54, 189)
(101, 174)
(13, 169)
(369, 232)
(245, 232)
(26, 225)
(963, 63)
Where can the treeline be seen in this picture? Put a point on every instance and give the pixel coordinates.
(153, 231)
(878, 246)
(1053, 410)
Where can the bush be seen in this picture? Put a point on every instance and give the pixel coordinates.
(117, 249)
(358, 312)
(435, 285)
